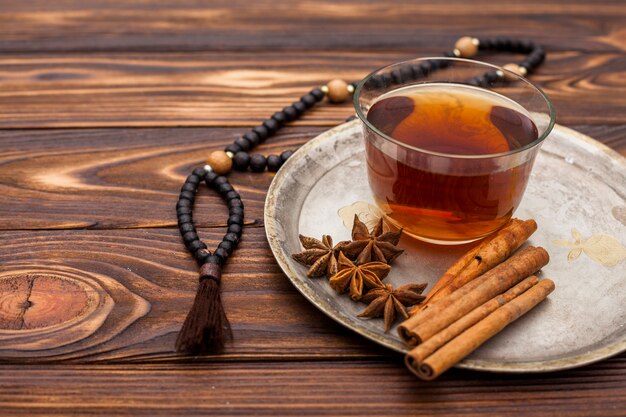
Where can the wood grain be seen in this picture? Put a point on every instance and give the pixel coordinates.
(241, 89)
(105, 106)
(75, 25)
(123, 178)
(151, 281)
(324, 388)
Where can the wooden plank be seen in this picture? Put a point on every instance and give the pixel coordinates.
(130, 178)
(240, 25)
(137, 287)
(120, 178)
(241, 89)
(355, 388)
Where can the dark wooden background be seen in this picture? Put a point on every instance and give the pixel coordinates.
(105, 106)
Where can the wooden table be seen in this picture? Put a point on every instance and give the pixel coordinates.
(106, 106)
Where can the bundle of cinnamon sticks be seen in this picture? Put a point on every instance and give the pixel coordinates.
(475, 299)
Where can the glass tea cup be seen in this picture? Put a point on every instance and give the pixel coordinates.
(450, 144)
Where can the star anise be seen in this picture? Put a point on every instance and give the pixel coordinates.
(387, 302)
(321, 256)
(356, 277)
(372, 246)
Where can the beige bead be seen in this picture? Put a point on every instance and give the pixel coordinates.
(514, 68)
(466, 46)
(337, 91)
(220, 162)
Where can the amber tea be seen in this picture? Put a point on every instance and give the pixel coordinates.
(447, 180)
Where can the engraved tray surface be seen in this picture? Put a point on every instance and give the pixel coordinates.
(576, 193)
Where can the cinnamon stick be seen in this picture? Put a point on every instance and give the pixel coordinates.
(425, 349)
(456, 349)
(444, 312)
(456, 268)
(480, 259)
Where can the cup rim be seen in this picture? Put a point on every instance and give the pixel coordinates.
(539, 140)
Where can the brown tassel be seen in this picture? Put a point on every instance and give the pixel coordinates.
(206, 327)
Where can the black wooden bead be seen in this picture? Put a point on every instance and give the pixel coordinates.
(271, 125)
(443, 63)
(183, 210)
(235, 228)
(186, 227)
(235, 202)
(273, 163)
(387, 79)
(290, 113)
(280, 118)
(435, 64)
(210, 177)
(189, 187)
(213, 260)
(537, 53)
(494, 42)
(241, 160)
(184, 218)
(234, 148)
(299, 106)
(537, 56)
(224, 188)
(201, 255)
(231, 237)
(194, 179)
(252, 138)
(416, 71)
(227, 246)
(527, 65)
(317, 93)
(183, 203)
(196, 245)
(526, 46)
(397, 76)
(232, 195)
(261, 132)
(220, 180)
(516, 46)
(499, 43)
(375, 82)
(426, 67)
(199, 172)
(308, 100)
(406, 73)
(533, 61)
(485, 44)
(221, 253)
(190, 237)
(235, 219)
(491, 76)
(236, 210)
(187, 195)
(285, 155)
(243, 144)
(257, 163)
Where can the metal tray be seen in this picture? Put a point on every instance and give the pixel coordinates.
(576, 194)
